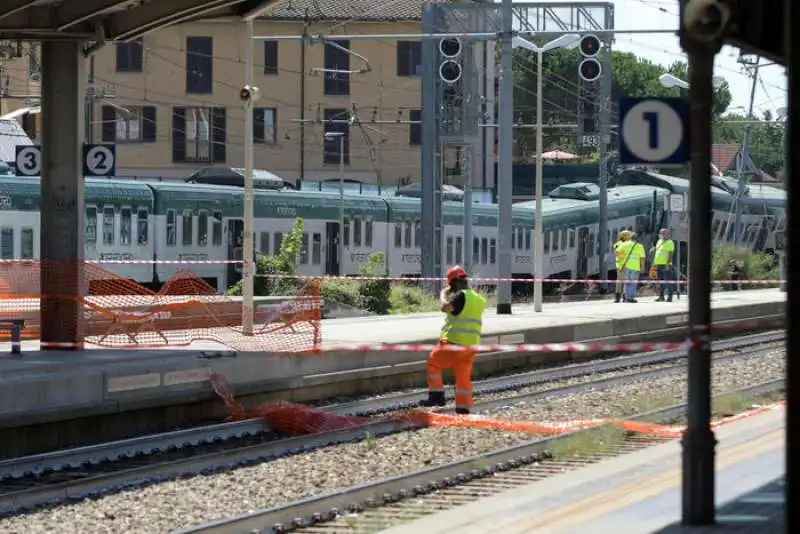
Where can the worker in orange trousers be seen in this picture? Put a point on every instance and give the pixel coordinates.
(462, 326)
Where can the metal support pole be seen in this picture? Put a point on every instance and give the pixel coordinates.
(467, 216)
(248, 265)
(743, 150)
(605, 138)
(698, 440)
(538, 229)
(792, 252)
(341, 205)
(506, 141)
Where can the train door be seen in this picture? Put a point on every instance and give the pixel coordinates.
(332, 233)
(235, 243)
(583, 259)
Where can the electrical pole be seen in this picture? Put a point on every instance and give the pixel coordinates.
(247, 246)
(504, 167)
(743, 150)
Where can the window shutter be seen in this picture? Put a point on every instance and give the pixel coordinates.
(109, 119)
(218, 135)
(259, 133)
(148, 124)
(178, 135)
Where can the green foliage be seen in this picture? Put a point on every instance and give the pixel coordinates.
(632, 77)
(411, 299)
(281, 263)
(375, 293)
(755, 265)
(766, 140)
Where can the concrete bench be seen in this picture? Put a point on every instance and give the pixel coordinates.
(14, 326)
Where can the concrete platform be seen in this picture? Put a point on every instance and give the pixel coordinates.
(638, 493)
(43, 387)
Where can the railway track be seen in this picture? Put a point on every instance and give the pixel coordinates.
(379, 505)
(77, 473)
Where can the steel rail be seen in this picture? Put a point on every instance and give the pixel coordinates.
(86, 484)
(92, 455)
(326, 507)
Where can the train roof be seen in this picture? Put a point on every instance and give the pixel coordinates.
(26, 191)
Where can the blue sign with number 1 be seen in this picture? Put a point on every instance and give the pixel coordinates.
(654, 131)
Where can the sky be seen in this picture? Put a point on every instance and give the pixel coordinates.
(664, 49)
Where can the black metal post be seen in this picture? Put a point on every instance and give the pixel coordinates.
(792, 171)
(698, 441)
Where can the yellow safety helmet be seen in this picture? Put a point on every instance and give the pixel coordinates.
(624, 233)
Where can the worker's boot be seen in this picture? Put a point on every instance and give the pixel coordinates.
(617, 297)
(435, 398)
(462, 411)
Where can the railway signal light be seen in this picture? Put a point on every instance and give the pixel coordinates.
(450, 69)
(590, 69)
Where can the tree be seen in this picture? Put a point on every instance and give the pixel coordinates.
(765, 142)
(632, 76)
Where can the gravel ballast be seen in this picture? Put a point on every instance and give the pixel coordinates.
(167, 506)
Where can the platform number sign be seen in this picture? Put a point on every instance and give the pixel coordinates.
(654, 131)
(99, 160)
(28, 160)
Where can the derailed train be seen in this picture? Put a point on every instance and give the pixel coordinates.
(168, 221)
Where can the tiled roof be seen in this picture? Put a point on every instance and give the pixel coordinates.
(341, 10)
(722, 155)
(11, 135)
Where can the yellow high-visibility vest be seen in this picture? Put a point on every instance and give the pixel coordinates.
(619, 256)
(465, 328)
(663, 249)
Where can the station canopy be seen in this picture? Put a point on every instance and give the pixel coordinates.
(109, 20)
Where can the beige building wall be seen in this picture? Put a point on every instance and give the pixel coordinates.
(379, 153)
(20, 78)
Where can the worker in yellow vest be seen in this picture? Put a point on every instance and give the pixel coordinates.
(634, 259)
(462, 326)
(662, 259)
(619, 258)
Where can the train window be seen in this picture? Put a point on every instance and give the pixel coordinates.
(514, 232)
(26, 244)
(187, 227)
(519, 239)
(484, 251)
(202, 228)
(572, 238)
(108, 226)
(564, 239)
(476, 250)
(216, 229)
(7, 243)
(263, 247)
(304, 249)
(90, 226)
(492, 251)
(450, 260)
(546, 242)
(125, 222)
(142, 226)
(171, 225)
(528, 233)
(368, 233)
(356, 232)
(590, 246)
(554, 241)
(417, 233)
(346, 233)
(407, 234)
(277, 241)
(398, 235)
(459, 246)
(615, 235)
(316, 249)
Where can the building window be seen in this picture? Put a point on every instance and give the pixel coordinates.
(26, 244)
(199, 135)
(415, 130)
(333, 146)
(270, 57)
(337, 66)
(265, 125)
(409, 58)
(199, 65)
(128, 124)
(130, 56)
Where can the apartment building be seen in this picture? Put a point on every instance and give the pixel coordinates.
(170, 101)
(20, 76)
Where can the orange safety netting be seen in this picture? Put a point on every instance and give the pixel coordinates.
(119, 312)
(297, 419)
